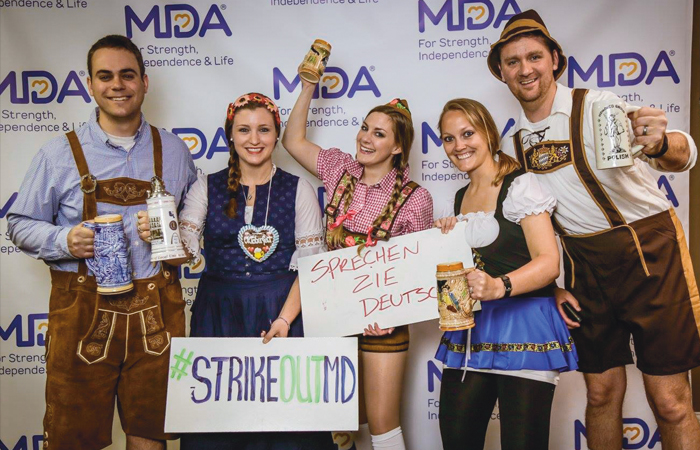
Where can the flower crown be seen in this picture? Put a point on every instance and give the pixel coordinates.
(257, 98)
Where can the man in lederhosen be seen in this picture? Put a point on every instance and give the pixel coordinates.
(101, 346)
(626, 261)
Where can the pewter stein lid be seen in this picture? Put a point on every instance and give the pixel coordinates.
(158, 189)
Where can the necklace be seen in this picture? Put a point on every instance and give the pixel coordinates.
(258, 243)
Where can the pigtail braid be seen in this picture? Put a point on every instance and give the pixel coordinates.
(335, 236)
(233, 184)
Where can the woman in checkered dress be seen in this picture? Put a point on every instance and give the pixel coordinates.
(370, 197)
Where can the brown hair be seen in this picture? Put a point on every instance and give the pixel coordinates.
(234, 166)
(481, 119)
(402, 127)
(119, 42)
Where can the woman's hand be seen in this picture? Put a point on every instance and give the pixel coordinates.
(484, 287)
(278, 328)
(143, 226)
(376, 331)
(446, 224)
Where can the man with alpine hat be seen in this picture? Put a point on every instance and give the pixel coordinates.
(627, 265)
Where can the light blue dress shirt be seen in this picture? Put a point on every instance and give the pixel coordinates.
(50, 202)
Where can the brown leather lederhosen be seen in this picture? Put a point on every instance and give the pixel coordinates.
(630, 278)
(397, 341)
(99, 346)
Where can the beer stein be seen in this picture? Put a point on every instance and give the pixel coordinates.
(314, 63)
(110, 263)
(455, 305)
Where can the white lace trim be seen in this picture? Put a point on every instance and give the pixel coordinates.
(191, 227)
(191, 234)
(310, 240)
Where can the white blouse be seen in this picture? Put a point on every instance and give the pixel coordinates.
(308, 228)
(525, 197)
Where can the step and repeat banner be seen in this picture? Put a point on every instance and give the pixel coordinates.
(200, 55)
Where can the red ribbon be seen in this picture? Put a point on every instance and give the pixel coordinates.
(370, 242)
(341, 218)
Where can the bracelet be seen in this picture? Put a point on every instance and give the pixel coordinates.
(662, 152)
(507, 285)
(289, 327)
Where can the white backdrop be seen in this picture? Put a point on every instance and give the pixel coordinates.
(202, 55)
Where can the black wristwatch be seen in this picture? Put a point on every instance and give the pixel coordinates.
(662, 152)
(506, 284)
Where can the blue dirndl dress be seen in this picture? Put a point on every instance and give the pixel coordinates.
(239, 297)
(521, 332)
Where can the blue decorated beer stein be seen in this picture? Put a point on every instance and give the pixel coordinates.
(110, 263)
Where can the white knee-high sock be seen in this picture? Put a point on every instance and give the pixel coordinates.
(392, 440)
(362, 438)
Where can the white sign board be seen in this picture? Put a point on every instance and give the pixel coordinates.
(391, 284)
(241, 384)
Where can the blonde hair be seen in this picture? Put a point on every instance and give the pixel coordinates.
(481, 119)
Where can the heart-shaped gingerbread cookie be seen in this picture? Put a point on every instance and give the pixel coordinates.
(258, 243)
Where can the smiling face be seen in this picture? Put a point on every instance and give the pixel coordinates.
(527, 66)
(254, 136)
(118, 88)
(467, 148)
(376, 142)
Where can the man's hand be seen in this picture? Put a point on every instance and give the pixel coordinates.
(143, 226)
(564, 296)
(80, 241)
(655, 122)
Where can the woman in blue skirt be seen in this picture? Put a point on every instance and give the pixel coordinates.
(259, 220)
(520, 343)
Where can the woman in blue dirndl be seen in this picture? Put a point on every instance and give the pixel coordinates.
(520, 342)
(259, 220)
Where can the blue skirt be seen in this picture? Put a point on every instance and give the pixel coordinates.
(243, 307)
(513, 334)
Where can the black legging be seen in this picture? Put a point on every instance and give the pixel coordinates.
(465, 410)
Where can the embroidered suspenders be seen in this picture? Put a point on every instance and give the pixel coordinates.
(382, 232)
(548, 156)
(122, 191)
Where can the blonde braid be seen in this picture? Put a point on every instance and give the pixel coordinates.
(335, 236)
(234, 182)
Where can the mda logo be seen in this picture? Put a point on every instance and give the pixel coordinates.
(636, 434)
(335, 83)
(478, 15)
(624, 69)
(198, 144)
(23, 443)
(35, 323)
(180, 21)
(41, 87)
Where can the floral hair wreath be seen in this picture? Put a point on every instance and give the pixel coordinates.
(401, 105)
(254, 97)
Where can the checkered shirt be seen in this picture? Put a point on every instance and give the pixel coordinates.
(369, 201)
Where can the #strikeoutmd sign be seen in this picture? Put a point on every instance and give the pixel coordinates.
(241, 384)
(392, 283)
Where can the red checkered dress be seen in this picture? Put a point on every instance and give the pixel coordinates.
(369, 201)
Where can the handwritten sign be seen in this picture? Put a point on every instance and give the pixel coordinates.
(391, 284)
(241, 384)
